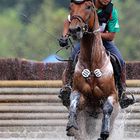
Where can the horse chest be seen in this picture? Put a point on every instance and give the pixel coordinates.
(97, 89)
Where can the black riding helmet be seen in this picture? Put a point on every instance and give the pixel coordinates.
(80, 1)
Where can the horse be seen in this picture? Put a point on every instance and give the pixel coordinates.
(93, 78)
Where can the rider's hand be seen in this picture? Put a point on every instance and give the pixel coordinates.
(63, 41)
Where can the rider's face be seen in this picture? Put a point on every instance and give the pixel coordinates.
(104, 2)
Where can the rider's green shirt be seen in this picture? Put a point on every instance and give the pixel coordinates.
(113, 22)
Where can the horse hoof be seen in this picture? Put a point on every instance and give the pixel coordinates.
(70, 133)
(71, 125)
(99, 139)
(104, 135)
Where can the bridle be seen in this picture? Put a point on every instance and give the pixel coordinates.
(84, 22)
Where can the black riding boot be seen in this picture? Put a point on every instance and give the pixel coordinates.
(65, 91)
(123, 99)
(120, 79)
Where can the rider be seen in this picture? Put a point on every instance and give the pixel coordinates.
(109, 26)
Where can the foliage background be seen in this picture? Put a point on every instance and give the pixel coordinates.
(30, 28)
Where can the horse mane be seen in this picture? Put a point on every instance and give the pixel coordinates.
(98, 50)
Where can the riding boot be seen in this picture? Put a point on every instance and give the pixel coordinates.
(65, 91)
(123, 99)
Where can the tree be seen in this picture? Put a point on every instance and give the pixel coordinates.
(128, 39)
(38, 39)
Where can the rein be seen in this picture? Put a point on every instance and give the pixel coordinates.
(70, 45)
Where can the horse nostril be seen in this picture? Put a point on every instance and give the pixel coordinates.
(78, 29)
(75, 30)
(72, 30)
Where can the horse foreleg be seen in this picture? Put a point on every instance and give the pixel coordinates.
(107, 111)
(72, 120)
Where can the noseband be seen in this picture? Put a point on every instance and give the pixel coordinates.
(80, 19)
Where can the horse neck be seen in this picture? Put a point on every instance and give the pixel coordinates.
(92, 52)
(85, 50)
(99, 55)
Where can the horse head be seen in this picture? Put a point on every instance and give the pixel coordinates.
(82, 18)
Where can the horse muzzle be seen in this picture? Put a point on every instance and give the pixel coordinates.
(76, 32)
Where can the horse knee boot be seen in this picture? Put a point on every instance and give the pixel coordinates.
(107, 111)
(64, 95)
(74, 101)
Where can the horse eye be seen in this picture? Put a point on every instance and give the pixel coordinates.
(88, 7)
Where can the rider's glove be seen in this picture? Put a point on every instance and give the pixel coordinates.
(63, 41)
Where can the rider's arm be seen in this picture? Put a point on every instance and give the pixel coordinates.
(109, 36)
(112, 27)
(63, 41)
(65, 28)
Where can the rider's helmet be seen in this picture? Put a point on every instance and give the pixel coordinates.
(80, 1)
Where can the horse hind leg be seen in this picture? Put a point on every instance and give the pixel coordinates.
(106, 121)
(72, 120)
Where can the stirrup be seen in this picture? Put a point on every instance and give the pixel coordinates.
(125, 101)
(64, 95)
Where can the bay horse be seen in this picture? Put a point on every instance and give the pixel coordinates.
(93, 78)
